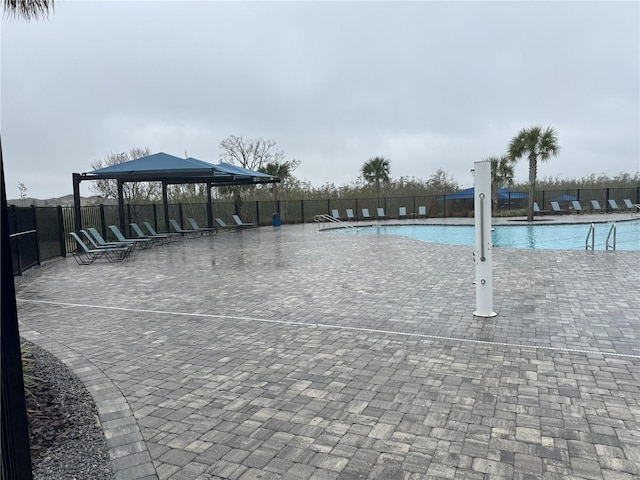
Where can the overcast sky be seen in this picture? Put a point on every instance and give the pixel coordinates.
(427, 85)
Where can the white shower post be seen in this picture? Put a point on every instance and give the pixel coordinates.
(482, 253)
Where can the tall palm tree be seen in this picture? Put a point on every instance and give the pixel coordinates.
(501, 175)
(282, 170)
(536, 144)
(376, 170)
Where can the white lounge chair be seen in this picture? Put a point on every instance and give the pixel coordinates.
(350, 215)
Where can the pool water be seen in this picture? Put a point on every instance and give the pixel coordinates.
(546, 237)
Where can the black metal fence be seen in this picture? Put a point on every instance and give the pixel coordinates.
(42, 233)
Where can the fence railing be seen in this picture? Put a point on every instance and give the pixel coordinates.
(42, 233)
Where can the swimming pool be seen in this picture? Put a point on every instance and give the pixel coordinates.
(546, 237)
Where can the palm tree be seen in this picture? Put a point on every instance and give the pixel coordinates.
(282, 170)
(376, 170)
(501, 175)
(536, 144)
(27, 9)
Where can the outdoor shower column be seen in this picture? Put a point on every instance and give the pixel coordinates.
(482, 253)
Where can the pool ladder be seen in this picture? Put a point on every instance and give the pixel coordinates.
(329, 218)
(592, 236)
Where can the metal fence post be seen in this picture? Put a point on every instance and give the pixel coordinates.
(103, 222)
(35, 227)
(61, 238)
(14, 222)
(257, 213)
(301, 211)
(155, 217)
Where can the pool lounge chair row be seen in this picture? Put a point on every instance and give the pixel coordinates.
(381, 215)
(595, 207)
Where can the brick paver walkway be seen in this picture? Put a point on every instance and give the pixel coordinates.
(296, 354)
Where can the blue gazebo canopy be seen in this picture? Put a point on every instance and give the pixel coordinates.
(171, 169)
(468, 194)
(168, 169)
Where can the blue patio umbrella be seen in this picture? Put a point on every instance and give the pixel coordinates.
(564, 198)
(467, 194)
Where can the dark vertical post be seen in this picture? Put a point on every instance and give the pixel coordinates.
(357, 210)
(165, 204)
(209, 206)
(76, 202)
(180, 216)
(606, 199)
(578, 194)
(35, 227)
(128, 216)
(121, 205)
(13, 215)
(102, 221)
(328, 205)
(155, 217)
(301, 211)
(14, 444)
(61, 235)
(257, 213)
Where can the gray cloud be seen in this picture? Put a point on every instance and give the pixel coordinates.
(429, 85)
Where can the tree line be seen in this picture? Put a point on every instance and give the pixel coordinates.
(375, 180)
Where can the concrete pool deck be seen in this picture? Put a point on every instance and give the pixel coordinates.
(289, 353)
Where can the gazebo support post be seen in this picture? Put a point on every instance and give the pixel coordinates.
(209, 206)
(165, 205)
(121, 204)
(76, 203)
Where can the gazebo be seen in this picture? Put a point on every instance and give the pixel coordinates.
(169, 170)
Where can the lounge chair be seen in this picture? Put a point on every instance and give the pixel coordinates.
(241, 224)
(422, 211)
(633, 207)
(595, 206)
(613, 205)
(86, 256)
(555, 207)
(335, 214)
(350, 215)
(97, 241)
(365, 214)
(189, 233)
(576, 206)
(171, 237)
(138, 242)
(204, 230)
(537, 210)
(224, 226)
(402, 212)
(380, 212)
(158, 238)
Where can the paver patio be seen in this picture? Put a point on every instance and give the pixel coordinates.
(290, 353)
